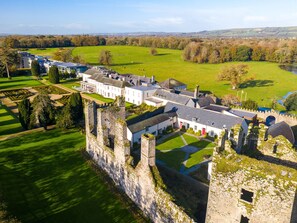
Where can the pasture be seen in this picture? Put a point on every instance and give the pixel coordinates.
(44, 178)
(269, 81)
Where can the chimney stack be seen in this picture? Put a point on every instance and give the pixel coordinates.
(196, 92)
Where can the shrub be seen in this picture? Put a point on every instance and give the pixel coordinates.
(291, 102)
(250, 104)
(190, 130)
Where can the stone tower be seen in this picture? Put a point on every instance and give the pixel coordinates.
(248, 190)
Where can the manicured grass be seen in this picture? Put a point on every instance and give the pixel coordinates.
(173, 158)
(18, 82)
(48, 52)
(70, 83)
(198, 156)
(100, 98)
(44, 178)
(269, 80)
(8, 122)
(171, 143)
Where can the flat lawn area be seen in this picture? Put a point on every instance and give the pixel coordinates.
(198, 157)
(100, 98)
(8, 122)
(48, 52)
(70, 83)
(18, 82)
(173, 158)
(269, 80)
(192, 141)
(171, 143)
(44, 178)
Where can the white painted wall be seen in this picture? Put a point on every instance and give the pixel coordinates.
(136, 96)
(152, 130)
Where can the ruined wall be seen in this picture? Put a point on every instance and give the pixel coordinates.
(291, 120)
(273, 187)
(143, 183)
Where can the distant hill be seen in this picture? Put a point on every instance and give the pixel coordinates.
(266, 32)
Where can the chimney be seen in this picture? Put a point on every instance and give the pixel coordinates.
(153, 79)
(148, 151)
(196, 92)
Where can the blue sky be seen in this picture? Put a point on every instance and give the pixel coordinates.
(97, 16)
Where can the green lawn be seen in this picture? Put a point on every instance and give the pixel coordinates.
(45, 179)
(173, 142)
(198, 157)
(18, 82)
(173, 158)
(269, 80)
(8, 122)
(100, 98)
(201, 144)
(70, 83)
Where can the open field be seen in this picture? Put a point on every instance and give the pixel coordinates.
(18, 82)
(44, 178)
(269, 80)
(8, 122)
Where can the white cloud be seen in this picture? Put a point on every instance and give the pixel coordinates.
(253, 18)
(165, 21)
(75, 26)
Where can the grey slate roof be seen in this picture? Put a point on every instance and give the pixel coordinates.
(205, 101)
(91, 71)
(169, 96)
(139, 126)
(171, 83)
(106, 80)
(243, 114)
(217, 108)
(205, 117)
(281, 128)
(144, 88)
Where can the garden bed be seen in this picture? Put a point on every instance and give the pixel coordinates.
(64, 100)
(50, 89)
(18, 94)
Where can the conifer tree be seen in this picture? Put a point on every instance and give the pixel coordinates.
(25, 111)
(53, 75)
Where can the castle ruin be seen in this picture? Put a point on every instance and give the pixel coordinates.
(107, 144)
(257, 187)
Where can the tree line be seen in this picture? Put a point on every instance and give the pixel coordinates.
(43, 41)
(220, 51)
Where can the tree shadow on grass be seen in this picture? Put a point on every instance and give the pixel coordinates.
(162, 54)
(257, 83)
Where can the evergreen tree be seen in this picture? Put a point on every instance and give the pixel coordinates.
(25, 111)
(35, 68)
(43, 110)
(64, 120)
(53, 75)
(76, 105)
